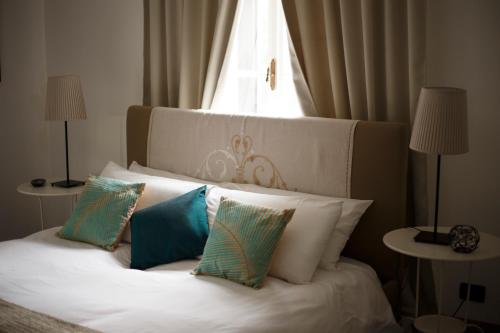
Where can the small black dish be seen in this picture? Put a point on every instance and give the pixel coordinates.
(38, 182)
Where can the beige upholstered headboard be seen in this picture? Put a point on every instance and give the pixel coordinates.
(378, 172)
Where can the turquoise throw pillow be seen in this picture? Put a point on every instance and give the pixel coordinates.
(169, 231)
(102, 212)
(242, 242)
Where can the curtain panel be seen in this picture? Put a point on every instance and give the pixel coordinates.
(361, 59)
(365, 59)
(185, 43)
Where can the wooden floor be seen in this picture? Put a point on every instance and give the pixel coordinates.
(487, 328)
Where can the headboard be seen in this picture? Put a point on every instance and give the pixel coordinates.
(377, 171)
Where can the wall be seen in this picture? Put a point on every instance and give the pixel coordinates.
(463, 50)
(23, 132)
(99, 40)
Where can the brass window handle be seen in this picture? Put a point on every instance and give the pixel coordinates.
(271, 74)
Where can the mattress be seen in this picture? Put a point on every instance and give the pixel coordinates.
(85, 285)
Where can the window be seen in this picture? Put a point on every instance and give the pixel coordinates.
(257, 76)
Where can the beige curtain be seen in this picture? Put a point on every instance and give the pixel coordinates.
(364, 59)
(185, 43)
(360, 59)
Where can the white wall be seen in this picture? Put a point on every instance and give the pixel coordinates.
(463, 50)
(23, 132)
(99, 40)
(102, 41)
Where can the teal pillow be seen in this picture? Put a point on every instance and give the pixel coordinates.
(102, 212)
(242, 242)
(169, 231)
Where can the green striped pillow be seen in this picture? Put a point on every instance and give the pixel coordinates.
(242, 241)
(102, 212)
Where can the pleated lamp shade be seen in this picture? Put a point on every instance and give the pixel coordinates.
(64, 98)
(440, 125)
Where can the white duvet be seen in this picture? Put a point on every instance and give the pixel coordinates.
(86, 285)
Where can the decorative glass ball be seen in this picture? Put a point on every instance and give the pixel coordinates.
(464, 238)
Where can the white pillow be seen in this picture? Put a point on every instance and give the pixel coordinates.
(306, 236)
(303, 242)
(352, 211)
(157, 189)
(136, 167)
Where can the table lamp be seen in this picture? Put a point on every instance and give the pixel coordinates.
(440, 128)
(65, 102)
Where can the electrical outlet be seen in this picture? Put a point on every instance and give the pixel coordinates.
(477, 292)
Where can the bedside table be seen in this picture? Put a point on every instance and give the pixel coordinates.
(49, 191)
(401, 240)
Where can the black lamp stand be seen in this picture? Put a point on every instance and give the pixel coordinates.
(434, 237)
(67, 182)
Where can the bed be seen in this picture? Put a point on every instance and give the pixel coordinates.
(79, 284)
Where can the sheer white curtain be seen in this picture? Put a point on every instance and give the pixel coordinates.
(258, 36)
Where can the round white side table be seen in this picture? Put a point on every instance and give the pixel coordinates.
(401, 240)
(49, 191)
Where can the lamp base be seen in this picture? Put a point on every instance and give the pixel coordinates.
(68, 183)
(433, 238)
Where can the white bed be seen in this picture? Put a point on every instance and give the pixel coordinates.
(89, 286)
(85, 285)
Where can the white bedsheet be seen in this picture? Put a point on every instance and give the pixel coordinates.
(86, 285)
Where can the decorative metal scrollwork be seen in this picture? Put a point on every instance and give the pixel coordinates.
(241, 162)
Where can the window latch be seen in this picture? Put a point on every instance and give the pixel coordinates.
(271, 74)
